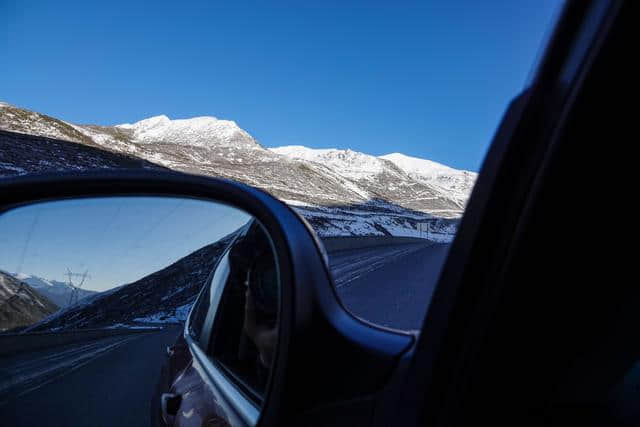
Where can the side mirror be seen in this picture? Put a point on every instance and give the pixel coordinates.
(149, 258)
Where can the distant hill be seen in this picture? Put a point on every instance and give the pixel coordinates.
(20, 305)
(57, 292)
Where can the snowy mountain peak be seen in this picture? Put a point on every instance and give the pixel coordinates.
(206, 131)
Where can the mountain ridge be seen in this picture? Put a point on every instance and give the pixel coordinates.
(321, 179)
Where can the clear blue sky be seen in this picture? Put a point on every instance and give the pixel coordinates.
(117, 240)
(429, 79)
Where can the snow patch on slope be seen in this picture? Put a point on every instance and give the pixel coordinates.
(452, 183)
(39, 282)
(349, 163)
(418, 166)
(179, 314)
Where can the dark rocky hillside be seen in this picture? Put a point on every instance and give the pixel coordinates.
(22, 154)
(20, 305)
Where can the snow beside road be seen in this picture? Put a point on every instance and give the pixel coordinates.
(176, 316)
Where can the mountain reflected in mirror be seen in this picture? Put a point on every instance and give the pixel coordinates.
(114, 262)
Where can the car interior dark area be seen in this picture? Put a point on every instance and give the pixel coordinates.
(551, 334)
(252, 271)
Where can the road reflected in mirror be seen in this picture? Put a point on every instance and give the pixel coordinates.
(94, 297)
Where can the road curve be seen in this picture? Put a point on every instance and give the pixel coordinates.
(395, 291)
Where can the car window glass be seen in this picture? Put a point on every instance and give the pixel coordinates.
(199, 312)
(214, 292)
(244, 333)
(406, 98)
(369, 119)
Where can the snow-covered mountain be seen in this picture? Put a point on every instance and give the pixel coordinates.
(20, 305)
(57, 292)
(451, 183)
(340, 192)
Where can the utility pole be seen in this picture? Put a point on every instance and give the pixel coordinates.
(74, 289)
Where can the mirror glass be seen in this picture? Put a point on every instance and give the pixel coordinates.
(94, 297)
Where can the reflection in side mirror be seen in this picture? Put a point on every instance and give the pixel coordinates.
(103, 286)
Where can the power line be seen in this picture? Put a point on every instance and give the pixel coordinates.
(27, 241)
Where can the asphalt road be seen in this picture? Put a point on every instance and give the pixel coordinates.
(110, 382)
(391, 285)
(111, 385)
